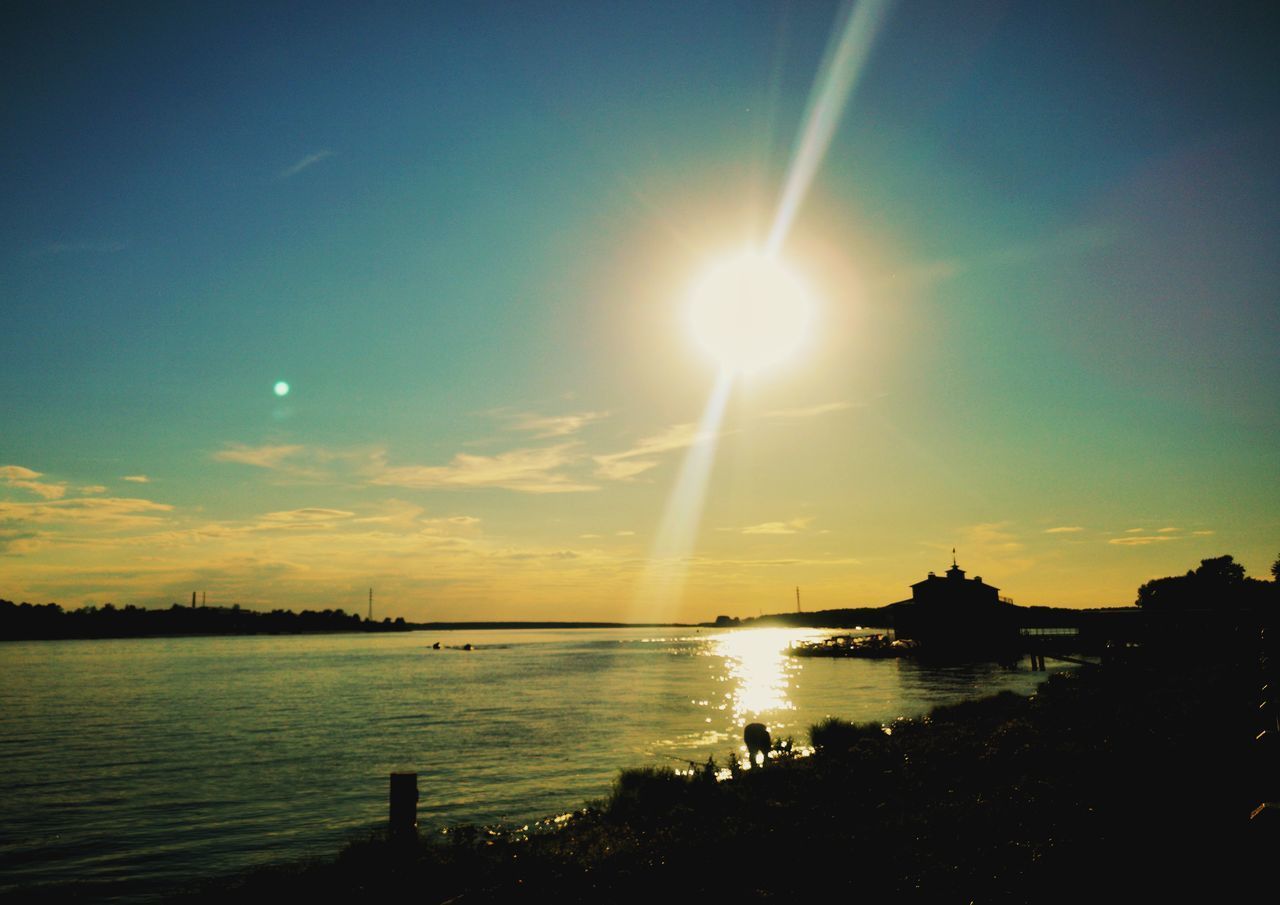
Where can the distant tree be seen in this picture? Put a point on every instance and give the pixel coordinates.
(1220, 572)
(1275, 570)
(1218, 582)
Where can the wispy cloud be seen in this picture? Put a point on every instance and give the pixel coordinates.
(258, 456)
(137, 478)
(1066, 244)
(309, 161)
(546, 426)
(1142, 537)
(990, 547)
(1064, 529)
(309, 516)
(1141, 540)
(534, 470)
(540, 555)
(622, 466)
(25, 479)
(810, 411)
(790, 561)
(96, 510)
(794, 526)
(993, 537)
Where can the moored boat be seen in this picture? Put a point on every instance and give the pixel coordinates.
(866, 646)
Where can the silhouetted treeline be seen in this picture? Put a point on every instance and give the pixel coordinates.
(1219, 584)
(25, 621)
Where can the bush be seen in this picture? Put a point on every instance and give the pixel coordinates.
(835, 734)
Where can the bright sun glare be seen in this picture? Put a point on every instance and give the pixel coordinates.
(749, 311)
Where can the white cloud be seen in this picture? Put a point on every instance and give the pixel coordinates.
(309, 161)
(1141, 540)
(534, 470)
(993, 537)
(810, 411)
(97, 510)
(622, 466)
(1066, 244)
(546, 426)
(308, 515)
(25, 479)
(137, 478)
(257, 456)
(794, 526)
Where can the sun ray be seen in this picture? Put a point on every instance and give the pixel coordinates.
(663, 581)
(845, 59)
(740, 350)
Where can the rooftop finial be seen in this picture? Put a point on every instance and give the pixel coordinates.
(953, 557)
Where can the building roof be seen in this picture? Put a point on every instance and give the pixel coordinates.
(955, 573)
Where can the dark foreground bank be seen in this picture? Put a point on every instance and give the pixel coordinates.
(1137, 779)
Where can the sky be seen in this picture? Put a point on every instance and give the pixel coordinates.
(1042, 248)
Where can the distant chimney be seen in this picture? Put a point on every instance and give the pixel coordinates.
(193, 600)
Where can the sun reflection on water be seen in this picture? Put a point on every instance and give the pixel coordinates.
(755, 680)
(758, 669)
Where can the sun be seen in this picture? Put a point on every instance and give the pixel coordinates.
(749, 311)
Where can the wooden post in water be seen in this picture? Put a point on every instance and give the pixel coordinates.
(404, 806)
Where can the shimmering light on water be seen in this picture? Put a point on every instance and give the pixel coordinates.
(759, 671)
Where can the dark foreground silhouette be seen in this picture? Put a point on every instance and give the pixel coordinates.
(1137, 779)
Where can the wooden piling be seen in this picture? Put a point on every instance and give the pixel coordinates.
(404, 806)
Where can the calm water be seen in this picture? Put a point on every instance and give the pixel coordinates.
(152, 761)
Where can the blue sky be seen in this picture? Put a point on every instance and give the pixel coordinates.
(1043, 239)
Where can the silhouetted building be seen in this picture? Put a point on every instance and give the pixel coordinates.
(956, 613)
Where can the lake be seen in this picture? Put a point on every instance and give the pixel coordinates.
(146, 763)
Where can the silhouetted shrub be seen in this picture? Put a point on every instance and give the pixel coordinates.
(835, 734)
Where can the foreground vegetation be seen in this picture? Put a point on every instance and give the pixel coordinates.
(1129, 779)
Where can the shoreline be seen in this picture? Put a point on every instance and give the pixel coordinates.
(1004, 797)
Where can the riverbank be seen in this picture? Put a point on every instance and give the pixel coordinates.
(1104, 781)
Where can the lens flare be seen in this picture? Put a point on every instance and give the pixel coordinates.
(281, 388)
(663, 582)
(845, 59)
(749, 312)
(756, 316)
